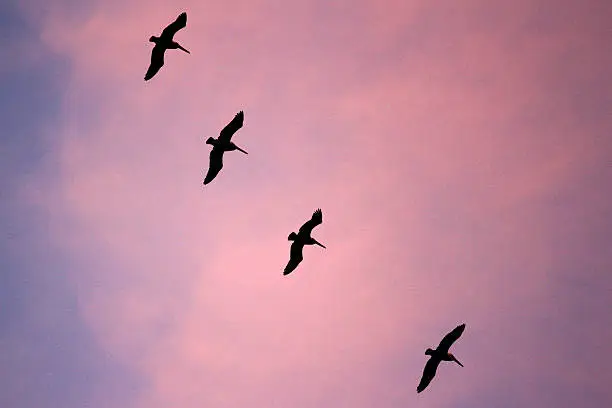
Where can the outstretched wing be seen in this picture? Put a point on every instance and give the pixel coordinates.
(450, 338)
(231, 128)
(157, 61)
(295, 258)
(179, 23)
(317, 218)
(215, 166)
(428, 373)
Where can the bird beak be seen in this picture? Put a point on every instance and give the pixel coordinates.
(241, 150)
(457, 361)
(181, 48)
(318, 243)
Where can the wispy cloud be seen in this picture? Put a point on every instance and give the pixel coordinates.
(448, 146)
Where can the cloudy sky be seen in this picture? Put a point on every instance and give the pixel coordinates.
(461, 153)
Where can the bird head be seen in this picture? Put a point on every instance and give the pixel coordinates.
(240, 150)
(318, 243)
(455, 359)
(153, 39)
(292, 236)
(210, 141)
(429, 352)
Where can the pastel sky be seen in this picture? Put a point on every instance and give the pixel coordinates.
(461, 152)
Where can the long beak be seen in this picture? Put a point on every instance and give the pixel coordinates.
(181, 48)
(241, 150)
(457, 361)
(318, 243)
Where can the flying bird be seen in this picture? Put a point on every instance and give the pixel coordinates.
(303, 238)
(221, 145)
(163, 43)
(438, 355)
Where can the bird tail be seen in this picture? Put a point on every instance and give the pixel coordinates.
(292, 236)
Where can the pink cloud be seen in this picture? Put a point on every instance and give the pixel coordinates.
(430, 194)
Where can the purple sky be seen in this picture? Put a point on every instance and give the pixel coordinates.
(461, 153)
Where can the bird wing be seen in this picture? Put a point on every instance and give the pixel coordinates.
(172, 28)
(450, 338)
(295, 257)
(228, 131)
(317, 218)
(216, 164)
(157, 61)
(429, 372)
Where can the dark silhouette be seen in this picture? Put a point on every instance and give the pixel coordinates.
(221, 145)
(303, 238)
(163, 43)
(438, 355)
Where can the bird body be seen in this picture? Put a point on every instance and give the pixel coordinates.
(221, 145)
(302, 238)
(438, 355)
(163, 43)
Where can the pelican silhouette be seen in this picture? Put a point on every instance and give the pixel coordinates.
(163, 43)
(438, 355)
(221, 145)
(303, 238)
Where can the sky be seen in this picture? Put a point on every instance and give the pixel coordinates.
(460, 152)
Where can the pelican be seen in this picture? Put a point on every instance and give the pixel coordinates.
(221, 145)
(303, 238)
(163, 43)
(438, 355)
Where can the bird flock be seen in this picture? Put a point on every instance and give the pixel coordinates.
(303, 237)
